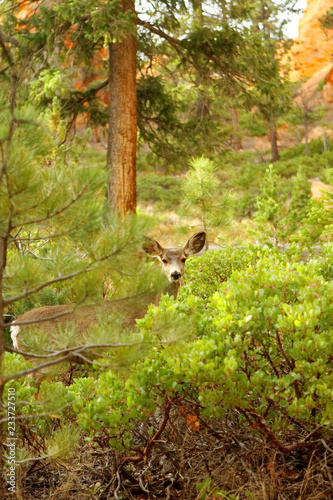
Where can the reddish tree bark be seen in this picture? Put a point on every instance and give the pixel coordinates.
(273, 140)
(122, 140)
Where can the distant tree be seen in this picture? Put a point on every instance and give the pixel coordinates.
(273, 101)
(272, 91)
(317, 225)
(305, 113)
(326, 21)
(278, 218)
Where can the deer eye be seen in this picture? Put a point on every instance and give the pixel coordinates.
(164, 261)
(183, 259)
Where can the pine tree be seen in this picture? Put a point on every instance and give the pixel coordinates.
(272, 90)
(203, 197)
(305, 113)
(277, 218)
(54, 243)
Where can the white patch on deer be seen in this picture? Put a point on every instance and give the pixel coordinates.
(14, 331)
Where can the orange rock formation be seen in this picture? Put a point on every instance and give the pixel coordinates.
(313, 49)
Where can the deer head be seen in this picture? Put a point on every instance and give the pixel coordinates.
(173, 259)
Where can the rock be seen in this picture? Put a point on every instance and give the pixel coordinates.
(313, 48)
(318, 188)
(328, 87)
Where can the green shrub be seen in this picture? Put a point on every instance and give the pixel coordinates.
(163, 192)
(259, 342)
(204, 275)
(313, 166)
(316, 146)
(274, 326)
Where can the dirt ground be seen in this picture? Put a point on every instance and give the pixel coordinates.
(190, 459)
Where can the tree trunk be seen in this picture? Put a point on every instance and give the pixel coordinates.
(273, 139)
(122, 140)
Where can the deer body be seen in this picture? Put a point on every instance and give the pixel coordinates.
(51, 318)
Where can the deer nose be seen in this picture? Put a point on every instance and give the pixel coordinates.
(175, 275)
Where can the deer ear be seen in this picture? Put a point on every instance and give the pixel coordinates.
(195, 244)
(152, 247)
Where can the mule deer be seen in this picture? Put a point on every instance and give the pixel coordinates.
(52, 318)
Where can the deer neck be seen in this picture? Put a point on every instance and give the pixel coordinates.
(172, 288)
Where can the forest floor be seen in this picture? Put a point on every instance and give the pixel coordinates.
(192, 459)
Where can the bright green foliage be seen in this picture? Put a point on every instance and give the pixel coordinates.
(317, 225)
(261, 343)
(106, 21)
(300, 199)
(204, 275)
(50, 84)
(53, 402)
(276, 220)
(241, 174)
(274, 321)
(206, 488)
(270, 208)
(39, 184)
(304, 113)
(251, 334)
(324, 260)
(202, 197)
(59, 246)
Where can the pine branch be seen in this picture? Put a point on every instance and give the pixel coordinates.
(87, 268)
(45, 284)
(39, 415)
(66, 355)
(5, 51)
(4, 69)
(57, 212)
(73, 351)
(146, 24)
(174, 42)
(33, 321)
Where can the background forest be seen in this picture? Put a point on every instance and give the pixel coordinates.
(121, 120)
